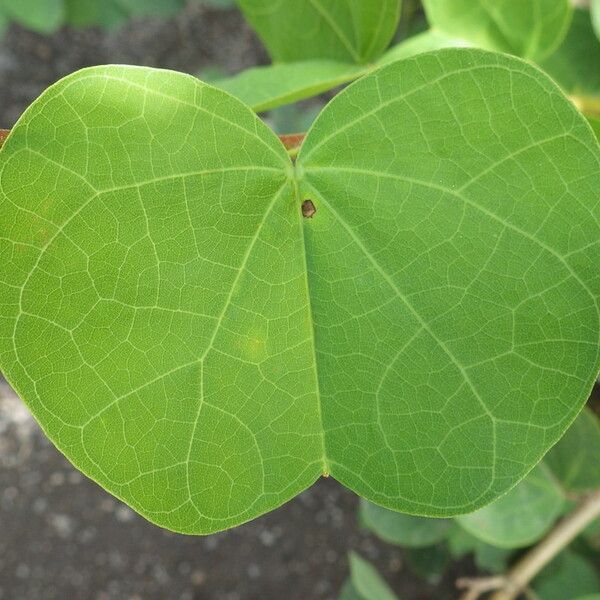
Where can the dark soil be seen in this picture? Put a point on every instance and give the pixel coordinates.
(198, 39)
(61, 536)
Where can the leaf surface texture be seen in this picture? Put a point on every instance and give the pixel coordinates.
(204, 352)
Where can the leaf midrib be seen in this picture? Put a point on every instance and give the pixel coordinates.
(326, 468)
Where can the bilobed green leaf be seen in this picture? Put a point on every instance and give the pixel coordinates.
(44, 16)
(575, 64)
(403, 530)
(521, 517)
(367, 582)
(575, 460)
(193, 344)
(352, 31)
(528, 28)
(264, 88)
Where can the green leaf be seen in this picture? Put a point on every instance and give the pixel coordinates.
(86, 13)
(193, 344)
(575, 460)
(590, 597)
(422, 42)
(349, 592)
(568, 574)
(160, 8)
(403, 530)
(575, 64)
(440, 265)
(345, 30)
(460, 542)
(4, 21)
(176, 367)
(521, 517)
(591, 534)
(113, 13)
(487, 557)
(595, 124)
(264, 88)
(44, 16)
(529, 28)
(595, 12)
(367, 582)
(491, 558)
(430, 563)
(218, 3)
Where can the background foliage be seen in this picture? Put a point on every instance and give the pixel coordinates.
(46, 16)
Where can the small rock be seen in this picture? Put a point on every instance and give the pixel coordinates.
(62, 524)
(57, 479)
(39, 506)
(198, 577)
(23, 571)
(253, 571)
(124, 514)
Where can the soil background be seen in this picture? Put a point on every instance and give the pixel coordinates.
(64, 538)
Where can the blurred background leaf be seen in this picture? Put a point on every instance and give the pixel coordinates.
(365, 582)
(522, 516)
(568, 576)
(403, 530)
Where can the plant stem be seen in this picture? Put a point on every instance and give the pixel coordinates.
(3, 135)
(476, 587)
(292, 143)
(515, 582)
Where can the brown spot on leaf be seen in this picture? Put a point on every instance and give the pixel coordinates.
(308, 209)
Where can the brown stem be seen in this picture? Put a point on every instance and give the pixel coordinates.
(557, 540)
(3, 135)
(292, 141)
(515, 582)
